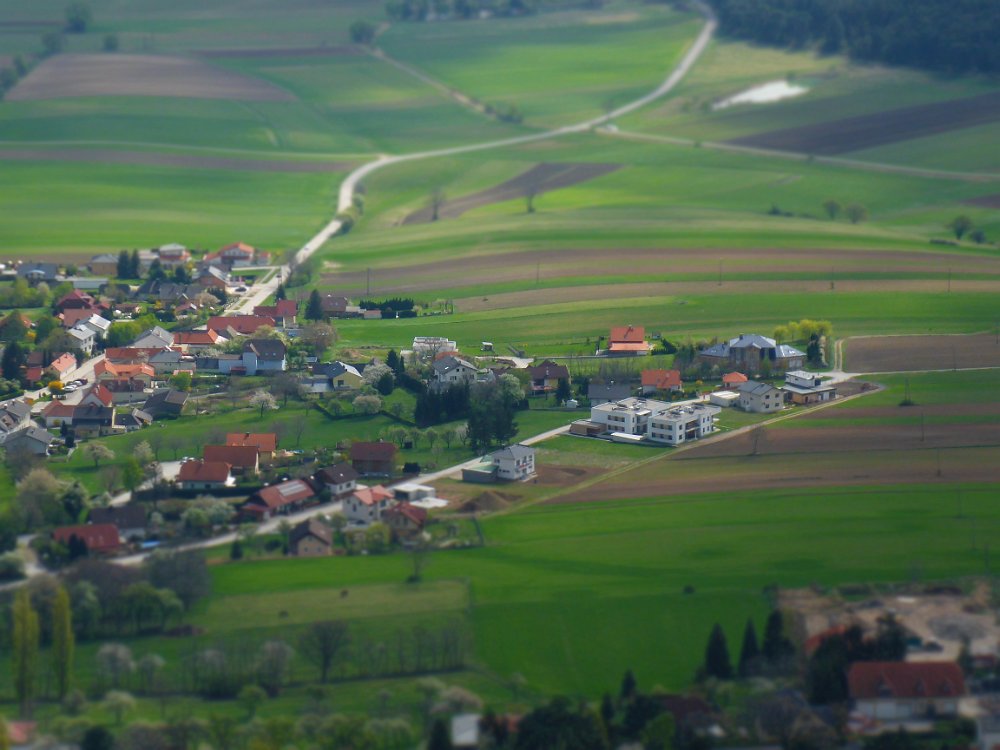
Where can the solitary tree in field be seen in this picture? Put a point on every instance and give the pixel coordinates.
(77, 18)
(362, 32)
(437, 202)
(323, 642)
(856, 213)
(264, 400)
(960, 225)
(97, 452)
(832, 208)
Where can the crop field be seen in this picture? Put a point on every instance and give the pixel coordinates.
(878, 129)
(901, 353)
(66, 76)
(951, 434)
(556, 68)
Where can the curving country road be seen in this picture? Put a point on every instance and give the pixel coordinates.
(350, 184)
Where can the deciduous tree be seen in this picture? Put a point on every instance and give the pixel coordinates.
(63, 642)
(323, 642)
(24, 649)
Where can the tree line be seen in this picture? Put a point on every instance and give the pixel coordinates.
(944, 35)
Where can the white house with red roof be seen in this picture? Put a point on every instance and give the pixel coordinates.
(628, 340)
(204, 475)
(366, 505)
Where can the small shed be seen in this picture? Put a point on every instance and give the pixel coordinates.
(724, 398)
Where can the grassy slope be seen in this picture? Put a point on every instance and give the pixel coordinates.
(837, 89)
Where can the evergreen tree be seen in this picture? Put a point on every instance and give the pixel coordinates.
(607, 710)
(156, 271)
(63, 642)
(134, 266)
(124, 269)
(776, 647)
(717, 662)
(280, 293)
(314, 308)
(392, 361)
(750, 652)
(13, 359)
(24, 642)
(440, 738)
(628, 687)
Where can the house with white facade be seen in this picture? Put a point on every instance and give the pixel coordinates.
(83, 338)
(338, 479)
(760, 398)
(904, 691)
(515, 462)
(808, 388)
(366, 505)
(639, 419)
(450, 371)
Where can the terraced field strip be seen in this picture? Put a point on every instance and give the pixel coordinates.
(540, 179)
(909, 353)
(188, 161)
(868, 131)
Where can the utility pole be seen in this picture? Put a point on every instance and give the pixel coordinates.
(949, 279)
(720, 271)
(368, 283)
(538, 272)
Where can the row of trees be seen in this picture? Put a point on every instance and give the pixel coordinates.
(774, 655)
(854, 212)
(946, 35)
(422, 10)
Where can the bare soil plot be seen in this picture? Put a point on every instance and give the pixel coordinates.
(879, 129)
(771, 470)
(270, 52)
(986, 201)
(150, 158)
(64, 76)
(541, 178)
(904, 353)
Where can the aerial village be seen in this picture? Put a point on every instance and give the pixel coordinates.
(110, 373)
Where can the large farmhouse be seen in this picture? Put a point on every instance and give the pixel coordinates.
(751, 352)
(899, 691)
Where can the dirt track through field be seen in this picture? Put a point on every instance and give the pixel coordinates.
(575, 262)
(904, 353)
(541, 178)
(65, 76)
(881, 128)
(155, 159)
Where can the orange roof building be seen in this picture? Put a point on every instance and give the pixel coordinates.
(264, 442)
(628, 340)
(661, 380)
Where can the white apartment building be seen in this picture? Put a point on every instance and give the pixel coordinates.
(656, 421)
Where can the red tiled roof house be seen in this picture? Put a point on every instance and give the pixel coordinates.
(203, 475)
(661, 380)
(100, 538)
(628, 340)
(242, 458)
(279, 499)
(900, 691)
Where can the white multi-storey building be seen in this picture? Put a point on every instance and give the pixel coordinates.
(656, 421)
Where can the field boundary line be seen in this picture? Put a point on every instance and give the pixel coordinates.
(870, 166)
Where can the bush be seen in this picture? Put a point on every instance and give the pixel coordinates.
(11, 567)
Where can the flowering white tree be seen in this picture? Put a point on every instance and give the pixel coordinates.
(263, 400)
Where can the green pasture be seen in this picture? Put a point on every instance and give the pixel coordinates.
(556, 581)
(103, 208)
(557, 68)
(573, 327)
(837, 89)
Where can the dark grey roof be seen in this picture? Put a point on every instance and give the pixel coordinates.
(129, 516)
(311, 527)
(267, 350)
(337, 474)
(753, 386)
(746, 340)
(32, 433)
(17, 409)
(93, 413)
(167, 401)
(515, 452)
(447, 364)
(609, 391)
